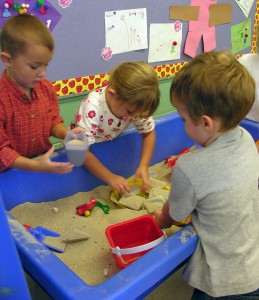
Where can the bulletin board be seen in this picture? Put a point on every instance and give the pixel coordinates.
(80, 29)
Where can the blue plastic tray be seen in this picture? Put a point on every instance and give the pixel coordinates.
(121, 156)
(12, 281)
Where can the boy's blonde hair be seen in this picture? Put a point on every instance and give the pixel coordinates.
(136, 83)
(22, 30)
(217, 85)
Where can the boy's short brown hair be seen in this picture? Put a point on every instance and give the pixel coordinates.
(136, 83)
(217, 85)
(22, 30)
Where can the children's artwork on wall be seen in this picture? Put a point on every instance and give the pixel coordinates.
(126, 30)
(245, 6)
(82, 59)
(39, 8)
(241, 36)
(220, 14)
(165, 41)
(210, 14)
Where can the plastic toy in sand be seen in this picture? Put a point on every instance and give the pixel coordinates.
(47, 237)
(172, 160)
(85, 209)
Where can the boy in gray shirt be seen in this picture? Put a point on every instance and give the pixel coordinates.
(218, 184)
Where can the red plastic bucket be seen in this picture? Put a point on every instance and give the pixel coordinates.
(131, 239)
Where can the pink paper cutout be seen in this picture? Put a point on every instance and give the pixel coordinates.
(200, 29)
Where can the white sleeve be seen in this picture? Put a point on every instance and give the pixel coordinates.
(250, 61)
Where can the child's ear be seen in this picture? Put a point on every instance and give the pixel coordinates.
(207, 122)
(111, 92)
(6, 58)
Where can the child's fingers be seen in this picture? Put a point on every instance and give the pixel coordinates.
(49, 152)
(62, 168)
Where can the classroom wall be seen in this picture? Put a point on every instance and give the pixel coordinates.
(80, 35)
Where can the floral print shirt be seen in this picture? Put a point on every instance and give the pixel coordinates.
(100, 124)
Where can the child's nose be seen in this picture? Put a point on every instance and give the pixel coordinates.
(42, 72)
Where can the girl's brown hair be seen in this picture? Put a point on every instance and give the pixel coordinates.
(136, 83)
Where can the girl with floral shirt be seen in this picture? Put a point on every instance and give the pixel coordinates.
(131, 97)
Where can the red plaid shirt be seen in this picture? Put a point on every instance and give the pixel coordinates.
(25, 124)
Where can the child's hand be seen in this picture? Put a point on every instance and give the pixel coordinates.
(76, 133)
(46, 165)
(78, 129)
(142, 172)
(181, 224)
(119, 183)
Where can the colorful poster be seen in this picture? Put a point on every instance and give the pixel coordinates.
(45, 11)
(241, 36)
(165, 41)
(126, 30)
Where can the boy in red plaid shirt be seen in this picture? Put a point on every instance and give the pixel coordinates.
(29, 110)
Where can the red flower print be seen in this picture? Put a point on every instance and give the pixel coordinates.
(93, 132)
(101, 118)
(110, 121)
(94, 126)
(100, 130)
(78, 117)
(91, 114)
(107, 136)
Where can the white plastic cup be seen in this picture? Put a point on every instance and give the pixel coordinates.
(76, 146)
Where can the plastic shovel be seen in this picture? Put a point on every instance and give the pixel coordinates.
(42, 234)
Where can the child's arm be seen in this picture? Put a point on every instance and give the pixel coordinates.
(164, 219)
(94, 166)
(43, 164)
(59, 131)
(148, 145)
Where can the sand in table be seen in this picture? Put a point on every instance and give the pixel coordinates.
(88, 258)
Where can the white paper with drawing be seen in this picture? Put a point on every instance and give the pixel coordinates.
(245, 6)
(165, 41)
(126, 30)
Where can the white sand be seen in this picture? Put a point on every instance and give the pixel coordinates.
(88, 258)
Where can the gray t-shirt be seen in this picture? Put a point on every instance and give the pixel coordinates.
(218, 186)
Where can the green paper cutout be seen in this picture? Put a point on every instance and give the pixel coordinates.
(241, 36)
